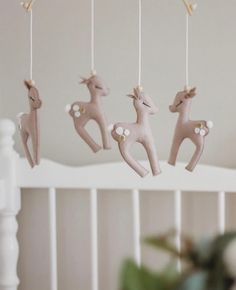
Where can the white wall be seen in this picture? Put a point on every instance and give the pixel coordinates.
(62, 54)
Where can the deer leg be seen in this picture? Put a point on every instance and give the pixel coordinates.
(106, 138)
(152, 156)
(24, 138)
(196, 156)
(124, 150)
(35, 147)
(79, 126)
(174, 150)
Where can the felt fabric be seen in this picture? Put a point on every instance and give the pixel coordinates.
(83, 112)
(196, 131)
(29, 125)
(126, 134)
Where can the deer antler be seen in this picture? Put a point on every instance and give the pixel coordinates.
(191, 93)
(28, 5)
(190, 7)
(85, 80)
(138, 92)
(29, 84)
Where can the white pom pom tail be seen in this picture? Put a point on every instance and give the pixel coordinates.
(210, 124)
(68, 108)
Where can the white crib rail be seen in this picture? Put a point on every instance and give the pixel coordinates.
(9, 208)
(15, 173)
(136, 225)
(53, 238)
(94, 237)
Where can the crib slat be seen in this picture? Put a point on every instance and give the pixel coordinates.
(221, 211)
(94, 238)
(136, 225)
(53, 239)
(178, 222)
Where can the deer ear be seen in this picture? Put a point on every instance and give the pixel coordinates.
(27, 84)
(84, 81)
(192, 93)
(131, 96)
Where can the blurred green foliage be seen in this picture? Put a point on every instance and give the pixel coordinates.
(204, 266)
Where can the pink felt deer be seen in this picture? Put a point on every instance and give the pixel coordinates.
(196, 131)
(83, 112)
(29, 125)
(126, 134)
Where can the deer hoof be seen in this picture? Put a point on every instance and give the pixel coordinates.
(144, 173)
(188, 168)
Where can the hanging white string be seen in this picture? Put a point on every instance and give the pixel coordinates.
(187, 52)
(31, 44)
(92, 36)
(139, 42)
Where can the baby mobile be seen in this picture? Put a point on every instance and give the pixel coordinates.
(126, 134)
(196, 131)
(83, 112)
(28, 123)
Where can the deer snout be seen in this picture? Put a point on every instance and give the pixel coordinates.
(39, 104)
(106, 92)
(154, 110)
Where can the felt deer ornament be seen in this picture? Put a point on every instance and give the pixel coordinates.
(83, 112)
(196, 131)
(126, 134)
(29, 125)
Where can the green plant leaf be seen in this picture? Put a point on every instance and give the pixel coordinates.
(140, 278)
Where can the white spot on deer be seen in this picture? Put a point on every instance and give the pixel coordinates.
(202, 132)
(197, 130)
(119, 131)
(77, 114)
(126, 132)
(76, 108)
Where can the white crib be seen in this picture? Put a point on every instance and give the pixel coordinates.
(16, 174)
